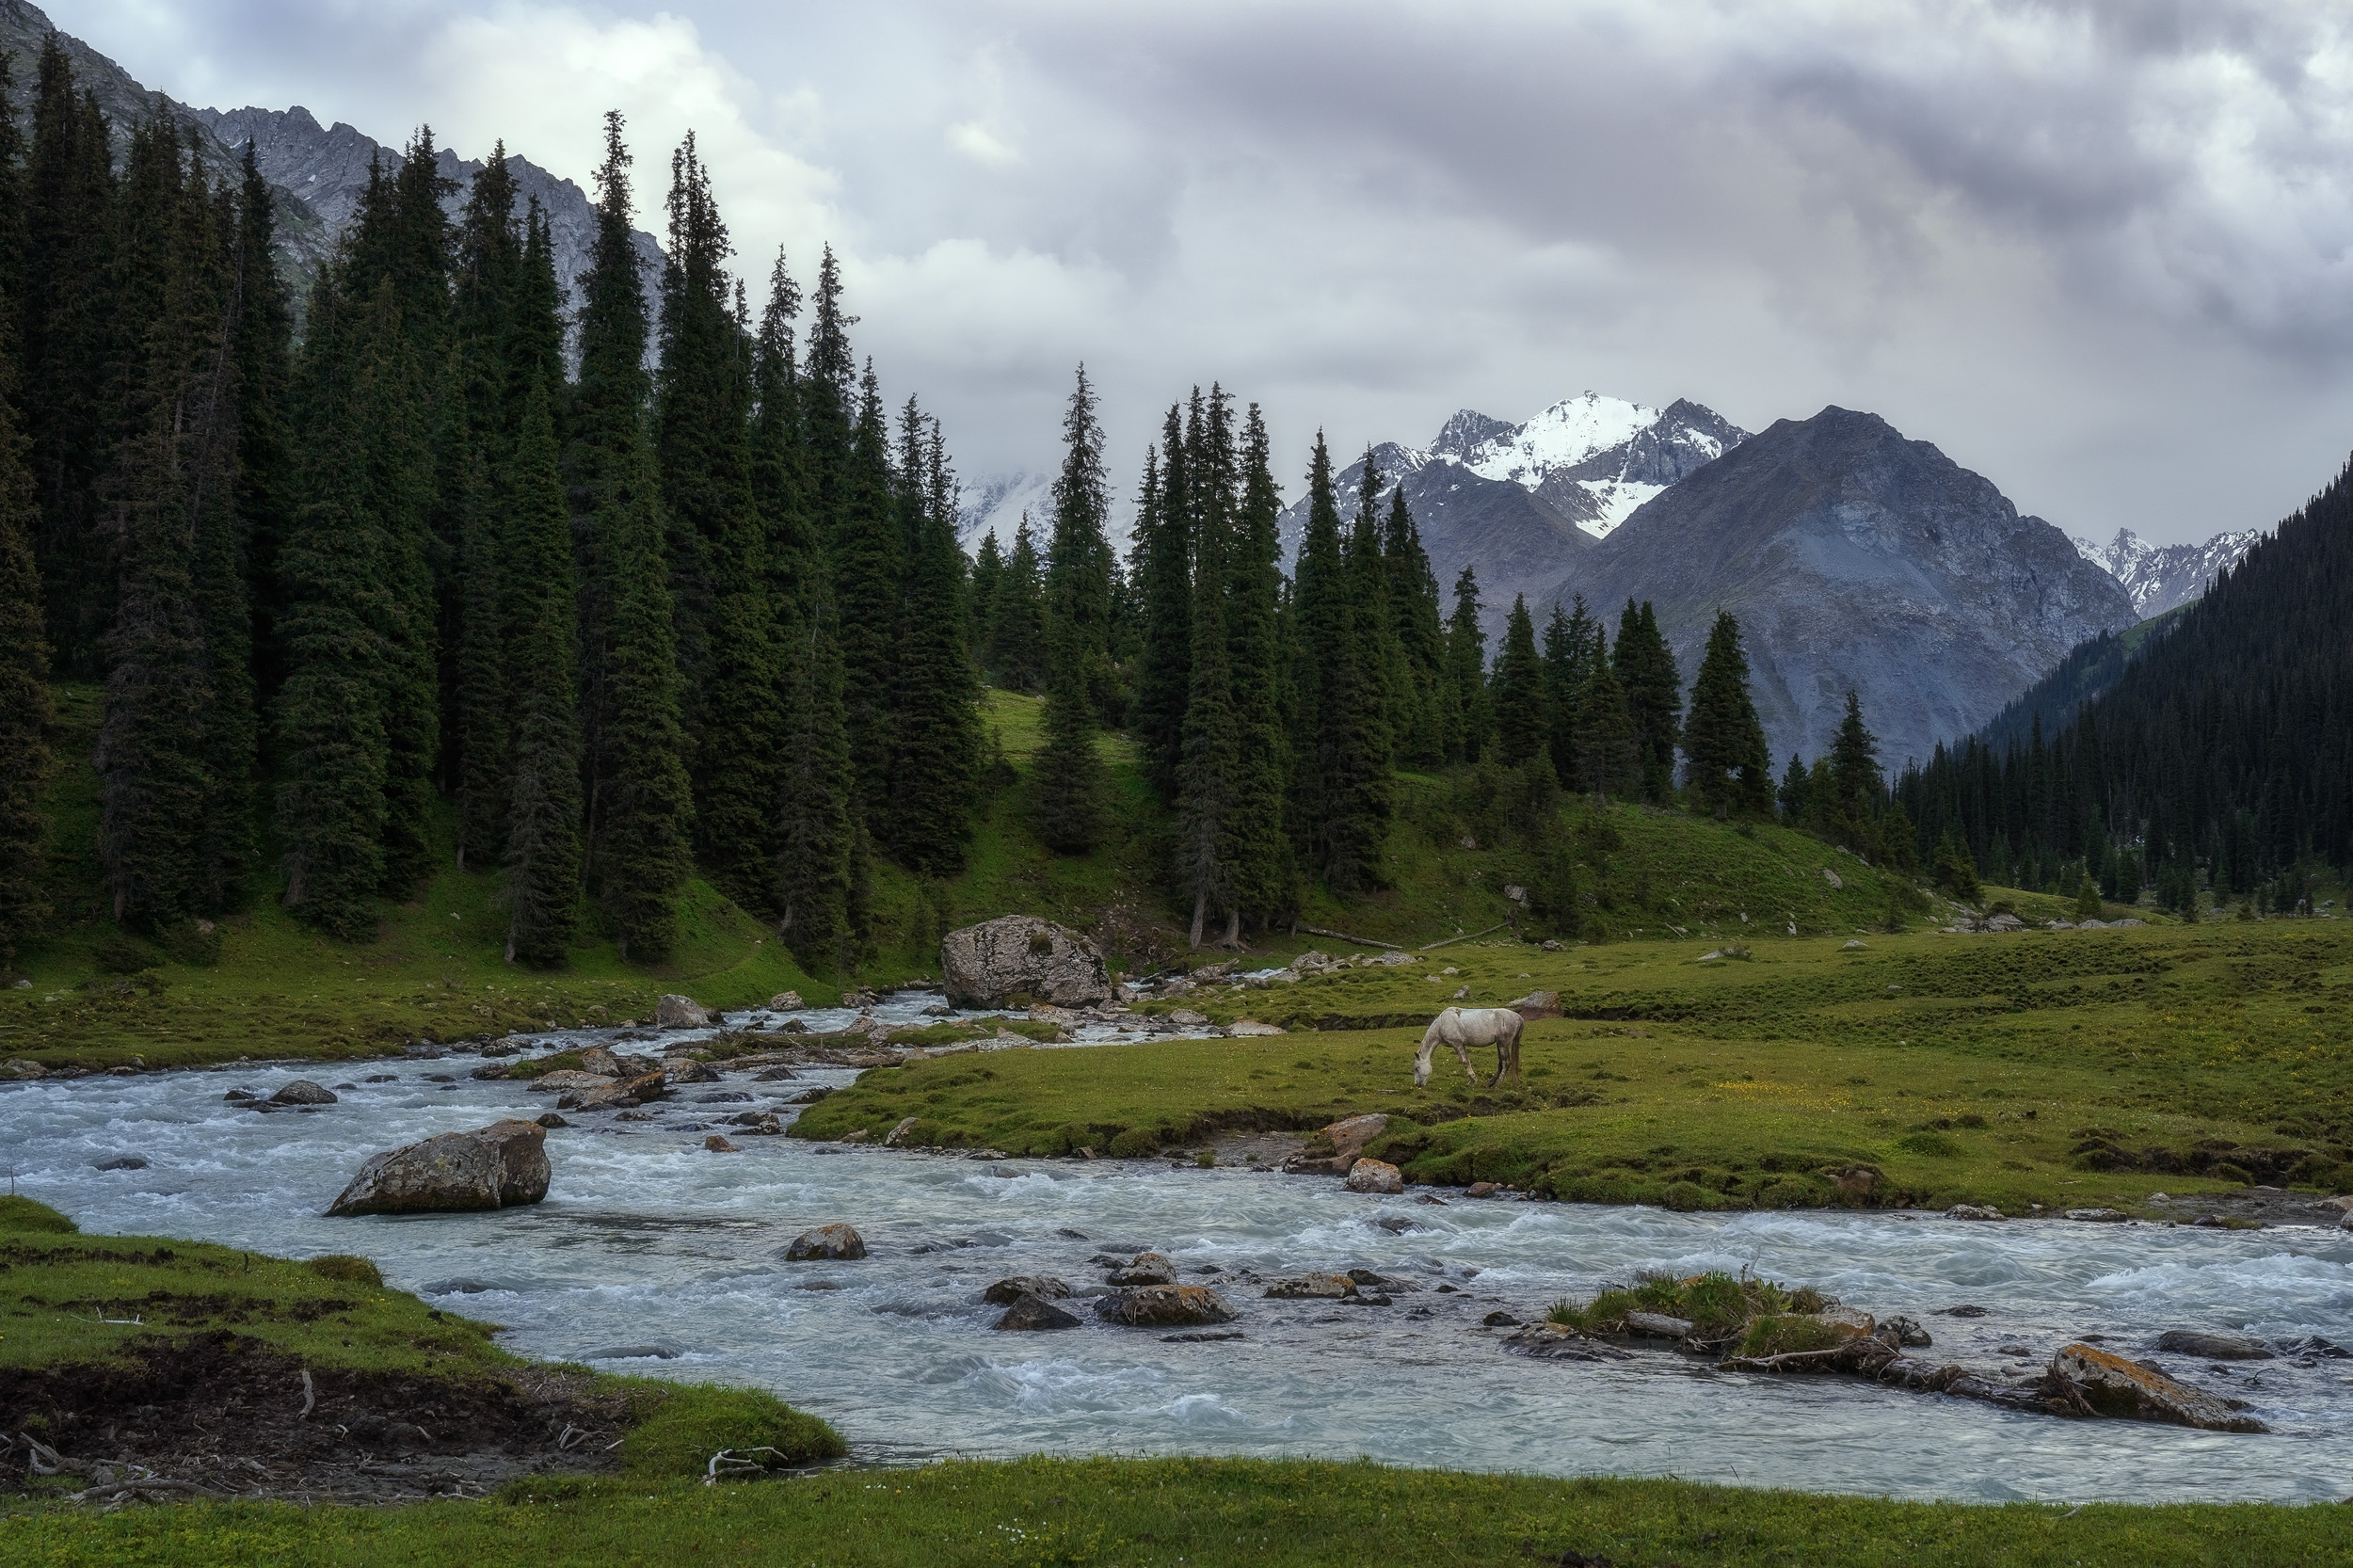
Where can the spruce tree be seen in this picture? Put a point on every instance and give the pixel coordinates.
(1416, 639)
(1380, 664)
(543, 848)
(720, 569)
(1163, 550)
(1730, 773)
(1521, 729)
(1340, 781)
(481, 714)
(170, 502)
(937, 739)
(1211, 742)
(988, 574)
(25, 764)
(811, 830)
(1856, 782)
(1471, 715)
(1568, 644)
(1256, 854)
(332, 743)
(639, 805)
(1017, 625)
(67, 326)
(1069, 784)
(1645, 668)
(1791, 797)
(1607, 762)
(263, 334)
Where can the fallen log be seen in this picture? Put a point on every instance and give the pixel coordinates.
(1344, 936)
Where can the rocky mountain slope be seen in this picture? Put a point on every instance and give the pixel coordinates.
(2160, 577)
(304, 238)
(318, 173)
(1855, 557)
(1522, 503)
(328, 168)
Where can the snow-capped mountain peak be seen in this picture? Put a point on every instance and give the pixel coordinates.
(1595, 459)
(995, 505)
(2160, 577)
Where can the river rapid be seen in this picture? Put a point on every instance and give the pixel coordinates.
(652, 1254)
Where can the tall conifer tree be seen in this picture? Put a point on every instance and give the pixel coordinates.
(1416, 637)
(1341, 789)
(639, 805)
(543, 850)
(1470, 717)
(1521, 729)
(1257, 853)
(1645, 668)
(1078, 628)
(26, 762)
(1730, 771)
(1164, 550)
(1211, 740)
(936, 762)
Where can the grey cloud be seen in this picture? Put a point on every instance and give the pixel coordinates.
(2096, 251)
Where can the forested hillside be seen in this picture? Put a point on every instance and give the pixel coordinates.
(341, 615)
(2221, 757)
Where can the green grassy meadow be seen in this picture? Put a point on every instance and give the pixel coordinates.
(1044, 1511)
(2010, 1070)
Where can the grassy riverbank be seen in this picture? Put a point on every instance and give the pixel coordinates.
(206, 1361)
(258, 984)
(1176, 1511)
(2068, 1069)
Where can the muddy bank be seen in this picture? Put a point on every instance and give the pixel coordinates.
(219, 1415)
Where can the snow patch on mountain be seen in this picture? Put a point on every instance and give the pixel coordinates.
(2161, 577)
(1595, 459)
(994, 504)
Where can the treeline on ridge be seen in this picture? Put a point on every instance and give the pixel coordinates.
(459, 545)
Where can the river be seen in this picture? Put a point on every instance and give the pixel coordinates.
(649, 1242)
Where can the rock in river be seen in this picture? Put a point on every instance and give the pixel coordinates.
(627, 1094)
(303, 1092)
(1312, 1288)
(1007, 1292)
(2213, 1347)
(1375, 1175)
(498, 1166)
(2114, 1386)
(1017, 960)
(835, 1240)
(1148, 1268)
(676, 1011)
(1165, 1307)
(1035, 1313)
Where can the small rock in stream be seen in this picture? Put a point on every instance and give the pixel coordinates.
(1146, 1268)
(833, 1241)
(1013, 1287)
(1029, 1313)
(2213, 1347)
(303, 1092)
(1165, 1307)
(121, 1162)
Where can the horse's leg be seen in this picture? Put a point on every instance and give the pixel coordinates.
(1507, 1053)
(1462, 1052)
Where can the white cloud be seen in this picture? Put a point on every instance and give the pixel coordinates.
(2098, 250)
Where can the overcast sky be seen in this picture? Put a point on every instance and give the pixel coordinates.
(2097, 253)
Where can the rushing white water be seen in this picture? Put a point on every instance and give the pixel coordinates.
(647, 1242)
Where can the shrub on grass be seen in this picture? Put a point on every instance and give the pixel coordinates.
(1137, 1142)
(24, 1214)
(1934, 1146)
(345, 1266)
(680, 1427)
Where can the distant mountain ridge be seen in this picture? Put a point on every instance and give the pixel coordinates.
(1522, 503)
(317, 173)
(1854, 557)
(2164, 577)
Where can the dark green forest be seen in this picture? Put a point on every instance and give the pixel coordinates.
(2218, 758)
(631, 595)
(639, 596)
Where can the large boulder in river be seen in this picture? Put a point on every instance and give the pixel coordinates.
(1032, 1314)
(1018, 960)
(1165, 1307)
(498, 1166)
(676, 1011)
(2112, 1385)
(303, 1092)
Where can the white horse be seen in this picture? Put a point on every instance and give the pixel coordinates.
(1465, 1027)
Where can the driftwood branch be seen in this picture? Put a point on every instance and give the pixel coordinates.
(735, 1461)
(310, 1395)
(1344, 936)
(1432, 946)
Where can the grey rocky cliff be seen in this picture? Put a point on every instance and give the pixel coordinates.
(1855, 557)
(328, 167)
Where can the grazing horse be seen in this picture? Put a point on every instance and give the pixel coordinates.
(1465, 1027)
